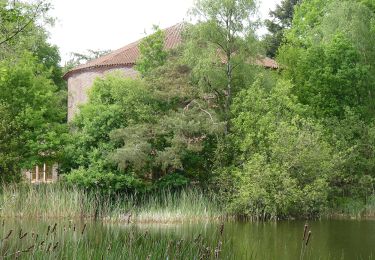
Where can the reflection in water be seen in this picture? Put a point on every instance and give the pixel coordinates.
(331, 239)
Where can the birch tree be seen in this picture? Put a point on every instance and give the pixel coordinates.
(225, 28)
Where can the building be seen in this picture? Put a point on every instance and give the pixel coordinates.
(81, 78)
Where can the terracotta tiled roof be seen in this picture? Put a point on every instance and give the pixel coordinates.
(128, 55)
(267, 63)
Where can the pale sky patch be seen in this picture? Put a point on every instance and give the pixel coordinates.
(111, 24)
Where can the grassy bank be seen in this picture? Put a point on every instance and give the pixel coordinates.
(353, 208)
(58, 201)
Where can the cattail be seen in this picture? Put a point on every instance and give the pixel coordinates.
(74, 227)
(23, 235)
(9, 234)
(49, 247)
(55, 246)
(20, 233)
(54, 228)
(48, 229)
(305, 231)
(221, 229)
(196, 240)
(28, 249)
(308, 237)
(83, 230)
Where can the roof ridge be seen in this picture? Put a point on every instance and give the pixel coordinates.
(128, 54)
(105, 60)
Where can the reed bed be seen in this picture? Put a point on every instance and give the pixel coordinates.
(59, 201)
(90, 241)
(353, 209)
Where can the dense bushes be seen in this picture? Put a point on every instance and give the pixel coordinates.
(284, 161)
(270, 145)
(32, 128)
(134, 134)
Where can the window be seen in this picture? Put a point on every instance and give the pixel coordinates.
(42, 173)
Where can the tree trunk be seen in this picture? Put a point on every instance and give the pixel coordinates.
(228, 94)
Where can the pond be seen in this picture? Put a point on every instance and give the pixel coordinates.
(330, 239)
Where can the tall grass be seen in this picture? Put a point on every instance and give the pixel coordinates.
(59, 201)
(353, 208)
(69, 240)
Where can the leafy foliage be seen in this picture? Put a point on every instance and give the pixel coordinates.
(31, 128)
(177, 137)
(152, 52)
(328, 57)
(115, 102)
(223, 39)
(285, 161)
(282, 18)
(272, 145)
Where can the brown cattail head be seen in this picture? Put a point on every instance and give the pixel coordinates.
(54, 228)
(49, 247)
(221, 229)
(55, 246)
(28, 249)
(308, 237)
(305, 231)
(9, 234)
(24, 235)
(84, 227)
(48, 229)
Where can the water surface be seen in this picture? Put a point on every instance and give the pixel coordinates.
(331, 239)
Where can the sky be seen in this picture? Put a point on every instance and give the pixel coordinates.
(111, 24)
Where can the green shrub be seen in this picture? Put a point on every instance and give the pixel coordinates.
(172, 181)
(108, 182)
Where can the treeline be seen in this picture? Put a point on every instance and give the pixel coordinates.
(293, 142)
(32, 91)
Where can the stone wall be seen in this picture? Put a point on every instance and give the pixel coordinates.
(81, 81)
